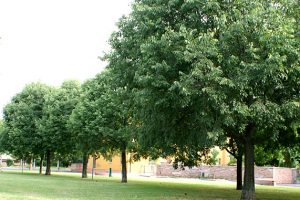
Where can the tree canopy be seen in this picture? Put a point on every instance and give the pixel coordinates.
(207, 70)
(58, 106)
(22, 138)
(182, 77)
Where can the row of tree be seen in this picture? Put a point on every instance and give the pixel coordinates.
(211, 72)
(182, 76)
(35, 122)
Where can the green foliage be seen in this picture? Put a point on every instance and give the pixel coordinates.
(148, 50)
(278, 157)
(213, 158)
(35, 121)
(232, 160)
(202, 71)
(38, 162)
(2, 149)
(58, 106)
(87, 134)
(9, 162)
(21, 137)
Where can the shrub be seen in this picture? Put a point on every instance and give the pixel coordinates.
(9, 162)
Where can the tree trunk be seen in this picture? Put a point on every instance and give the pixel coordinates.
(48, 166)
(124, 167)
(33, 164)
(22, 164)
(85, 159)
(30, 164)
(94, 166)
(41, 164)
(58, 167)
(248, 192)
(239, 172)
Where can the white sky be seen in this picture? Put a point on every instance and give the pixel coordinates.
(53, 40)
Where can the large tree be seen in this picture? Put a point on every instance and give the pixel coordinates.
(250, 74)
(139, 59)
(205, 67)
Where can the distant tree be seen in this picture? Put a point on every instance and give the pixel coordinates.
(114, 118)
(213, 158)
(102, 119)
(58, 106)
(2, 148)
(86, 135)
(21, 137)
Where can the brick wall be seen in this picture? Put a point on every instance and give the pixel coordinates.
(263, 172)
(274, 174)
(216, 172)
(284, 175)
(76, 167)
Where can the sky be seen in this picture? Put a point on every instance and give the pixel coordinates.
(54, 40)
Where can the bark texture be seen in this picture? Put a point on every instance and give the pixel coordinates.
(239, 172)
(48, 164)
(85, 159)
(124, 167)
(41, 164)
(248, 192)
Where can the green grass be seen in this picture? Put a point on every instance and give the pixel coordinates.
(15, 185)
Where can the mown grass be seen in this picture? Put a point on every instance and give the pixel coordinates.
(17, 186)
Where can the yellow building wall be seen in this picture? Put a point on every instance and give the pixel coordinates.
(224, 157)
(103, 164)
(142, 166)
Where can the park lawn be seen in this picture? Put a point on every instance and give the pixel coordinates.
(16, 185)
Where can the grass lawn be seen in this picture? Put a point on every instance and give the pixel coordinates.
(15, 185)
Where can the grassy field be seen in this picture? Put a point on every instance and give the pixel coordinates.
(15, 185)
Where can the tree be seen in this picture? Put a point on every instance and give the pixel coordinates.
(236, 149)
(139, 59)
(251, 74)
(101, 121)
(21, 137)
(86, 135)
(2, 148)
(203, 67)
(59, 104)
(114, 116)
(114, 119)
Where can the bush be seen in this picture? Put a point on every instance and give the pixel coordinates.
(213, 158)
(9, 162)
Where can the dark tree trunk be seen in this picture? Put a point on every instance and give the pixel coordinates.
(41, 164)
(85, 159)
(239, 172)
(248, 192)
(48, 166)
(237, 153)
(124, 167)
(30, 164)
